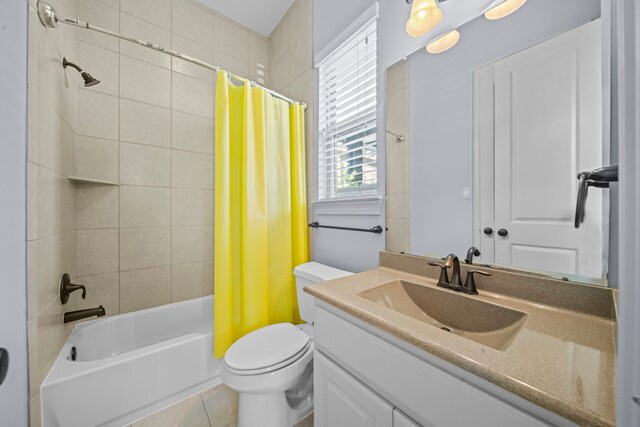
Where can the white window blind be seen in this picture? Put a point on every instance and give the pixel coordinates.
(347, 152)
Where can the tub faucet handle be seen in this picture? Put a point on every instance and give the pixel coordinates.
(66, 288)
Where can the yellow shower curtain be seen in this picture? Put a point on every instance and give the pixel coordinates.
(260, 210)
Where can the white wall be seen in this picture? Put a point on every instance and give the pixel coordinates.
(13, 122)
(441, 117)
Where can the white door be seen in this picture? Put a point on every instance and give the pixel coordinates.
(548, 128)
(13, 148)
(342, 401)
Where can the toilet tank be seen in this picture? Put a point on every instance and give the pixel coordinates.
(310, 274)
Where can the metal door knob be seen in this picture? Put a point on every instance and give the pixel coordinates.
(503, 233)
(488, 231)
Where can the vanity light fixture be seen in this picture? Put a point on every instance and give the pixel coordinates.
(444, 43)
(425, 15)
(503, 9)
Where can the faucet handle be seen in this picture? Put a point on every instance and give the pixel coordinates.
(443, 280)
(66, 288)
(470, 283)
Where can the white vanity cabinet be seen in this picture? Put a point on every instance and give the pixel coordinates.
(363, 378)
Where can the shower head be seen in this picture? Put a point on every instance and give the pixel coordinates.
(89, 80)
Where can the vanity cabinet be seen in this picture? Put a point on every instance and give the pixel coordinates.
(363, 378)
(343, 401)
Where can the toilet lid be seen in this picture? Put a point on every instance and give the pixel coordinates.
(267, 347)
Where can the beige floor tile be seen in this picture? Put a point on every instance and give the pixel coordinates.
(221, 404)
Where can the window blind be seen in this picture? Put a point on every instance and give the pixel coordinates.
(347, 152)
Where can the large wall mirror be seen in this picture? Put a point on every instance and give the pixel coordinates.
(485, 142)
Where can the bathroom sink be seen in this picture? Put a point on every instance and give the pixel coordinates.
(480, 321)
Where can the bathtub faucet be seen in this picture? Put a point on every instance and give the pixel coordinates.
(72, 316)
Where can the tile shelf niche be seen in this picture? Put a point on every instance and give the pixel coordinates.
(81, 180)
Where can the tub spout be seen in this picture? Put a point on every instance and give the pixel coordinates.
(72, 316)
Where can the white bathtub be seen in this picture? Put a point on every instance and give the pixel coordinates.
(132, 365)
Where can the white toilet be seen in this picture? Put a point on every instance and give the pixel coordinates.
(271, 368)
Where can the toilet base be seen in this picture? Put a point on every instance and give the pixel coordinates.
(270, 410)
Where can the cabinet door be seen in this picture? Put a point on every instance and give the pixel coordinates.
(342, 401)
(401, 420)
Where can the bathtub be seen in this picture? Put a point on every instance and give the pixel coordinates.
(129, 366)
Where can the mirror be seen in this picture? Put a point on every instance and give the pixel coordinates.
(485, 141)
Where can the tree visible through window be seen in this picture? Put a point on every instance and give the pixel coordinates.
(347, 155)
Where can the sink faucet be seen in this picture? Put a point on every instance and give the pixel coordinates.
(453, 261)
(473, 251)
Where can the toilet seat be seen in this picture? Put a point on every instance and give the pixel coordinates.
(267, 349)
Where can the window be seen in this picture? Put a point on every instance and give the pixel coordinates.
(347, 152)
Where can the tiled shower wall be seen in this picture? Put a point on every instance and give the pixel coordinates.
(397, 237)
(291, 73)
(149, 127)
(50, 227)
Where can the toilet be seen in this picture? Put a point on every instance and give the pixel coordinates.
(272, 367)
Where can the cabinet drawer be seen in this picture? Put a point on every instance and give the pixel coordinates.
(342, 401)
(423, 391)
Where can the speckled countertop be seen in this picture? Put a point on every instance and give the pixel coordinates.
(563, 358)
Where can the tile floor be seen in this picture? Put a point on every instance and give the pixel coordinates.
(216, 407)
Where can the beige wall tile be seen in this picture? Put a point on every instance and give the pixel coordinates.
(195, 50)
(300, 19)
(145, 206)
(102, 290)
(43, 202)
(32, 123)
(191, 281)
(147, 31)
(43, 273)
(140, 289)
(102, 64)
(397, 235)
(32, 331)
(301, 89)
(192, 207)
(192, 96)
(45, 147)
(68, 254)
(102, 15)
(145, 165)
(144, 123)
(34, 410)
(96, 252)
(187, 413)
(191, 170)
(230, 38)
(397, 205)
(140, 81)
(98, 115)
(397, 77)
(192, 133)
(279, 42)
(51, 337)
(230, 64)
(157, 12)
(96, 159)
(279, 73)
(192, 21)
(66, 148)
(144, 247)
(96, 206)
(192, 244)
(66, 205)
(222, 405)
(258, 51)
(300, 55)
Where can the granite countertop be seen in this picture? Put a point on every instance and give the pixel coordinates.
(563, 358)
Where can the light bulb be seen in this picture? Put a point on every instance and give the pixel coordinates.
(425, 15)
(505, 8)
(444, 43)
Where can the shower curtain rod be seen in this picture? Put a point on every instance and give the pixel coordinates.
(50, 18)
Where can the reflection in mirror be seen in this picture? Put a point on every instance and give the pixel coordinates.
(496, 130)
